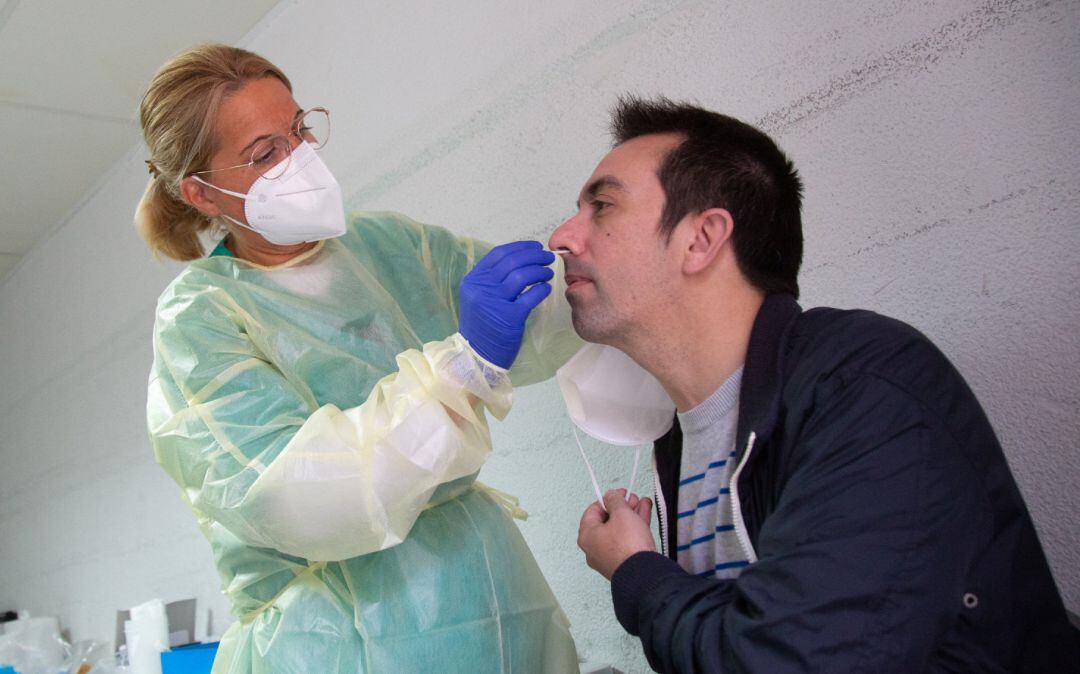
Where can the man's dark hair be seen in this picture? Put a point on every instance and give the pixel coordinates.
(725, 163)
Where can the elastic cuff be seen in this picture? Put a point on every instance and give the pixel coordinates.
(635, 578)
(467, 371)
(490, 369)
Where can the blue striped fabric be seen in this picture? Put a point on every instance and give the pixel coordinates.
(704, 512)
(700, 476)
(726, 565)
(724, 491)
(707, 537)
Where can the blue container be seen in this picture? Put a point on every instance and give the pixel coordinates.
(4, 669)
(192, 659)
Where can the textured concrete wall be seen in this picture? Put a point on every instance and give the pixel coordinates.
(938, 144)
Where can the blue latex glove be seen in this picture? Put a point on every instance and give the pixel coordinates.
(497, 296)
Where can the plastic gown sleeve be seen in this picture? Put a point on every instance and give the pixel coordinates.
(550, 340)
(324, 485)
(253, 451)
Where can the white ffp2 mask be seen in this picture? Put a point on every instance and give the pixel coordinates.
(303, 204)
(613, 399)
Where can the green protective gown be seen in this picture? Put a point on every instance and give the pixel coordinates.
(326, 423)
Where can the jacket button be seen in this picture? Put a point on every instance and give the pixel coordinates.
(970, 600)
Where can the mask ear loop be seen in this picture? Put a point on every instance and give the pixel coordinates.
(633, 473)
(592, 475)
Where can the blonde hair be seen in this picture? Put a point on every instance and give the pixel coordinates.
(177, 115)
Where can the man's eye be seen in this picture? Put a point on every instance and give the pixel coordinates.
(599, 205)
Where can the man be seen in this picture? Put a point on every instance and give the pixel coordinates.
(832, 497)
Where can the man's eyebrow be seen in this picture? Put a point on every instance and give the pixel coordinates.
(599, 184)
(296, 116)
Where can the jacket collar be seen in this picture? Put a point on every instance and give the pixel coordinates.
(759, 396)
(759, 406)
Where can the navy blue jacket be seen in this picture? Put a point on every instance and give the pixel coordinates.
(890, 535)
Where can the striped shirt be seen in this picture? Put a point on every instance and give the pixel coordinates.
(707, 543)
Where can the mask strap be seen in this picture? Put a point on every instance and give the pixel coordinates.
(239, 224)
(592, 475)
(633, 473)
(229, 192)
(219, 189)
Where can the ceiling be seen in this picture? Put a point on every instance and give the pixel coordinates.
(71, 76)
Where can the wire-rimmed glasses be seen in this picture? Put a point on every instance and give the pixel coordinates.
(270, 156)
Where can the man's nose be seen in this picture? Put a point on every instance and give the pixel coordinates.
(566, 236)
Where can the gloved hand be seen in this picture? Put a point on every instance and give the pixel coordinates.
(495, 302)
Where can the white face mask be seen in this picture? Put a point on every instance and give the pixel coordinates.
(303, 204)
(614, 400)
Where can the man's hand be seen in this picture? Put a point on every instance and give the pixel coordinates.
(608, 539)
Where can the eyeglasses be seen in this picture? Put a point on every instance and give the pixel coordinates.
(270, 156)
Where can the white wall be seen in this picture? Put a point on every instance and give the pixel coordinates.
(938, 141)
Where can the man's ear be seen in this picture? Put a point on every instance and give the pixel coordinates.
(199, 197)
(710, 231)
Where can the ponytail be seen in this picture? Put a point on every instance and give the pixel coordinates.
(168, 225)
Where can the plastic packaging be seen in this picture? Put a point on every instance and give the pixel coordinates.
(147, 635)
(33, 646)
(90, 657)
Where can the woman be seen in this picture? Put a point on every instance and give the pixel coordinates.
(314, 400)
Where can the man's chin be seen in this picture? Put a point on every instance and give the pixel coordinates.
(588, 328)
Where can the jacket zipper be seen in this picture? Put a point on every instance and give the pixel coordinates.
(661, 508)
(736, 505)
